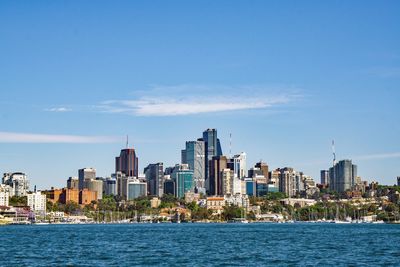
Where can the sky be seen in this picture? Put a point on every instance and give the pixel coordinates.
(285, 78)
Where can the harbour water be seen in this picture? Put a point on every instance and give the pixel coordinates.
(201, 245)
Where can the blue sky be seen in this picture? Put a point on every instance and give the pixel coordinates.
(284, 77)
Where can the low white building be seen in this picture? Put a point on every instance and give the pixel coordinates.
(4, 195)
(238, 200)
(37, 202)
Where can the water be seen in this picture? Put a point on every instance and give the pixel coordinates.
(200, 245)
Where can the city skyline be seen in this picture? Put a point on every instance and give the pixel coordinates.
(284, 80)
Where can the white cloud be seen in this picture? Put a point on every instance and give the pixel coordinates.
(58, 109)
(196, 99)
(12, 137)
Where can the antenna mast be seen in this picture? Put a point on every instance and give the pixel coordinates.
(127, 141)
(333, 152)
(230, 145)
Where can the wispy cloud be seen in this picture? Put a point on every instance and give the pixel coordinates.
(378, 156)
(12, 137)
(58, 109)
(189, 100)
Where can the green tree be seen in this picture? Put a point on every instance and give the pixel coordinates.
(231, 212)
(18, 201)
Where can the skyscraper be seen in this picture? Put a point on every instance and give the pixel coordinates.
(155, 179)
(212, 149)
(287, 181)
(238, 165)
(183, 178)
(398, 180)
(342, 176)
(217, 165)
(324, 177)
(127, 162)
(264, 169)
(194, 156)
(85, 174)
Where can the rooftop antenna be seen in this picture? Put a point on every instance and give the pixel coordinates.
(127, 141)
(230, 145)
(333, 152)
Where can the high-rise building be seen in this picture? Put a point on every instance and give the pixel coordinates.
(73, 183)
(96, 186)
(86, 174)
(135, 189)
(264, 168)
(110, 186)
(398, 180)
(194, 156)
(287, 181)
(4, 195)
(169, 185)
(127, 162)
(217, 165)
(18, 183)
(212, 149)
(155, 179)
(228, 177)
(238, 165)
(342, 176)
(183, 178)
(324, 177)
(37, 202)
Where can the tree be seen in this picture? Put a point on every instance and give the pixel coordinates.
(275, 196)
(18, 201)
(71, 207)
(231, 212)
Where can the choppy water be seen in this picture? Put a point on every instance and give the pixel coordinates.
(200, 245)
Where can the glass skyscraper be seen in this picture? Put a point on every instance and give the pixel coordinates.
(194, 156)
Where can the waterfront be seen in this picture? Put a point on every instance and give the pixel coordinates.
(201, 245)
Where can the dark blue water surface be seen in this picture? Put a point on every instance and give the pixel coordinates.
(200, 245)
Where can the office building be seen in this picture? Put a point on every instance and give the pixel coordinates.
(85, 174)
(217, 165)
(228, 177)
(73, 183)
(154, 174)
(324, 177)
(86, 196)
(212, 149)
(18, 182)
(194, 156)
(398, 180)
(4, 195)
(37, 202)
(110, 186)
(250, 187)
(95, 185)
(287, 181)
(263, 168)
(135, 189)
(238, 165)
(183, 178)
(127, 163)
(342, 176)
(169, 185)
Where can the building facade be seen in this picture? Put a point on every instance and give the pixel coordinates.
(154, 174)
(127, 163)
(194, 156)
(73, 183)
(85, 174)
(37, 202)
(135, 189)
(217, 165)
(183, 178)
(342, 176)
(18, 182)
